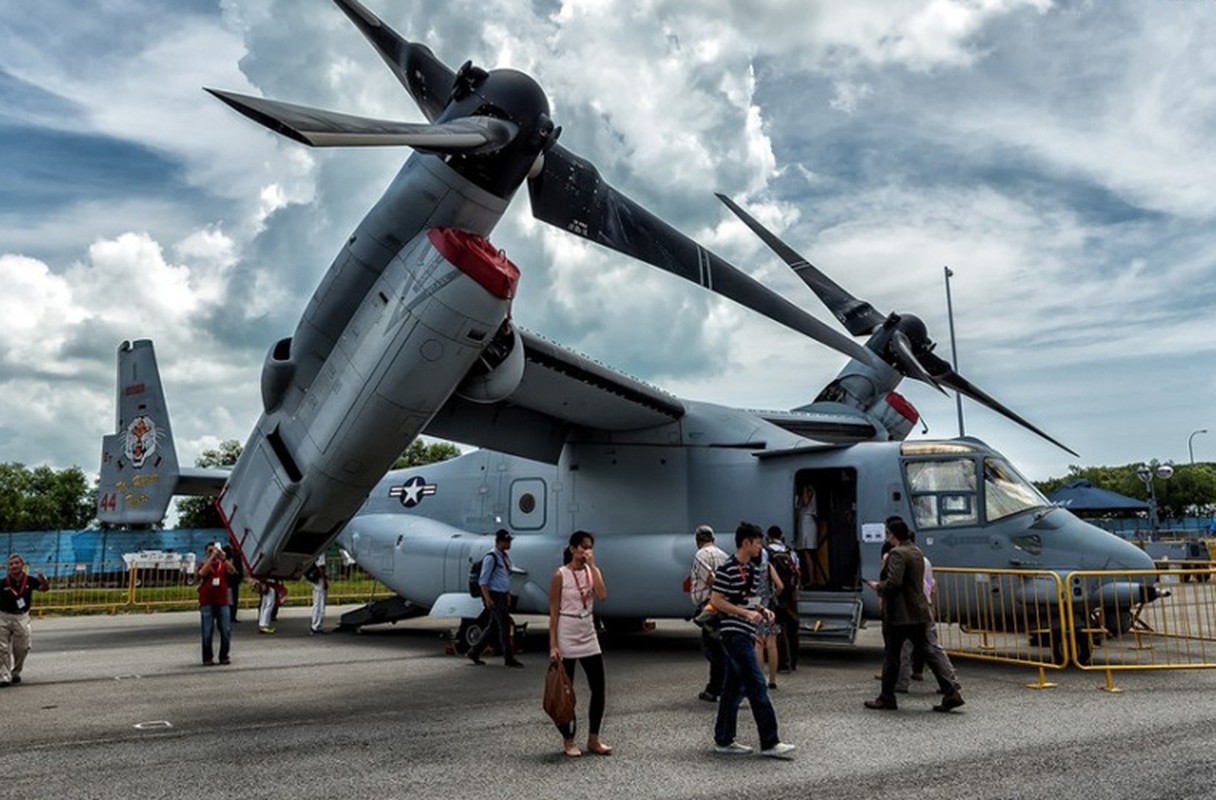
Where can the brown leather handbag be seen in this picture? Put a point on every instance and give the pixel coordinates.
(559, 694)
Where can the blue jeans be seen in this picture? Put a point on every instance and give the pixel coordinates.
(744, 678)
(216, 615)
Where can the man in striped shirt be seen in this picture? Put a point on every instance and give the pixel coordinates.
(733, 596)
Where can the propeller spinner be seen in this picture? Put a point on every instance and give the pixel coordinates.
(494, 129)
(901, 340)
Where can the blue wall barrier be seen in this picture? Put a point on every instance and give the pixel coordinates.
(64, 552)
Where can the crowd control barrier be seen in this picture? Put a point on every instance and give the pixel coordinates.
(173, 585)
(1090, 620)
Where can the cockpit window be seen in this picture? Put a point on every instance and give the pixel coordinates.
(1006, 492)
(942, 492)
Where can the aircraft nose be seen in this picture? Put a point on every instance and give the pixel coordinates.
(1123, 555)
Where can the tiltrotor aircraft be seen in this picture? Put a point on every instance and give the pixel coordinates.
(410, 332)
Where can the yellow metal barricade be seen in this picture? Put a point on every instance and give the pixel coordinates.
(1169, 623)
(114, 588)
(80, 589)
(1006, 616)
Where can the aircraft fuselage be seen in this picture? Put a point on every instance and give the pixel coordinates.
(643, 495)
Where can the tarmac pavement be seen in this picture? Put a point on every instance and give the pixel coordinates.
(121, 707)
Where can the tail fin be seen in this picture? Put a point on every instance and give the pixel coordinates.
(139, 470)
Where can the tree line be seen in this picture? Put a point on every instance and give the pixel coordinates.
(44, 499)
(1191, 492)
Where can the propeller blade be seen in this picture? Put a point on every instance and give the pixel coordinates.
(570, 194)
(428, 80)
(944, 373)
(319, 128)
(906, 356)
(857, 316)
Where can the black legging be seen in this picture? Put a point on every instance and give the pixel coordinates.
(593, 668)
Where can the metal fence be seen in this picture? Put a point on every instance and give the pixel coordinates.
(1009, 616)
(1175, 630)
(118, 587)
(1095, 621)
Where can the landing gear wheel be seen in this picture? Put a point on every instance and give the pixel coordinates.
(469, 633)
(1084, 647)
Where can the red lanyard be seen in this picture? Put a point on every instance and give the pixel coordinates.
(585, 595)
(25, 579)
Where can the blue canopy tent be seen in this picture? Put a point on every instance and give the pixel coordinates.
(1081, 496)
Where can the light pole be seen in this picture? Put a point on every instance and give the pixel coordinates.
(1190, 443)
(958, 397)
(1145, 473)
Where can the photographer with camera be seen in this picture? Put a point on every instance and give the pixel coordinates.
(213, 600)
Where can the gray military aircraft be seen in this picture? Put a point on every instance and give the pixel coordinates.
(411, 332)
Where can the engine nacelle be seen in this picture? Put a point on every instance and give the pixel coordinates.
(896, 414)
(499, 370)
(277, 373)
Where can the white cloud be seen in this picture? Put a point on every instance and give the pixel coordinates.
(35, 307)
(1059, 158)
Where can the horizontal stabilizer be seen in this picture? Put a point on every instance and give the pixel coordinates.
(201, 482)
(319, 128)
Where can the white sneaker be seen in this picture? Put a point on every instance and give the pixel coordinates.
(780, 750)
(732, 749)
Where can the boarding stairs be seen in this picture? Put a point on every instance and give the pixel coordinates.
(828, 616)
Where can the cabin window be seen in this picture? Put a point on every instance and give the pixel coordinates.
(942, 492)
(527, 510)
(1006, 492)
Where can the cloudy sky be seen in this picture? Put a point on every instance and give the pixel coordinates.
(1060, 157)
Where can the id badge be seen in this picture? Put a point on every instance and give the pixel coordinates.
(20, 603)
(215, 581)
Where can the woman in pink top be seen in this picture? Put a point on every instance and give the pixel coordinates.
(572, 594)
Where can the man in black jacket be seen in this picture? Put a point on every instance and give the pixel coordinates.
(905, 616)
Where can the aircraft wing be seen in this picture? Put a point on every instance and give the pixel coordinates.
(560, 390)
(843, 426)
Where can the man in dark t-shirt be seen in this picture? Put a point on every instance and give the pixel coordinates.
(16, 594)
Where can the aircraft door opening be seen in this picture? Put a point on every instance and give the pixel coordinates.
(528, 502)
(826, 501)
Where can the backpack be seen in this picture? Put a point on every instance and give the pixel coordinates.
(475, 574)
(787, 569)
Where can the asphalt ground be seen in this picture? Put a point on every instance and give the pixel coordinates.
(120, 707)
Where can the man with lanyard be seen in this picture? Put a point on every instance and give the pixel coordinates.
(733, 596)
(495, 583)
(15, 597)
(705, 563)
(213, 602)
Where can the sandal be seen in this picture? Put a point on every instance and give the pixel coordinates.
(599, 748)
(571, 749)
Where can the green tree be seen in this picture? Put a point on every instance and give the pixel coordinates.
(57, 500)
(14, 481)
(44, 499)
(200, 512)
(1190, 492)
(420, 453)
